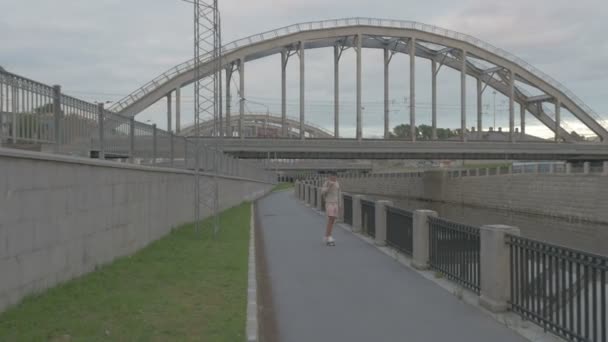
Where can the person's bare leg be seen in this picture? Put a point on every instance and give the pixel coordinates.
(330, 226)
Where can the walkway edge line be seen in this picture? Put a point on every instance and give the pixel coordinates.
(252, 286)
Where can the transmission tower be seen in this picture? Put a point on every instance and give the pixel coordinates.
(207, 107)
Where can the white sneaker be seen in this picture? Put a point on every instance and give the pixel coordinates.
(331, 239)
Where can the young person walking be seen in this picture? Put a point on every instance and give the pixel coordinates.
(331, 192)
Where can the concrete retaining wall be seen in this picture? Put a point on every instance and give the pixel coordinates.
(60, 217)
(571, 196)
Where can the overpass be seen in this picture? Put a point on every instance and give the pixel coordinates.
(400, 149)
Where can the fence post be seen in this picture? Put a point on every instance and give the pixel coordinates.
(586, 167)
(154, 146)
(495, 267)
(57, 117)
(357, 224)
(100, 119)
(420, 237)
(132, 140)
(171, 151)
(380, 223)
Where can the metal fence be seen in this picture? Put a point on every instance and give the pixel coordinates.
(399, 229)
(560, 289)
(368, 217)
(454, 251)
(38, 117)
(348, 210)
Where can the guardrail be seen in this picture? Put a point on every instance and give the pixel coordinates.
(368, 217)
(38, 117)
(560, 289)
(399, 229)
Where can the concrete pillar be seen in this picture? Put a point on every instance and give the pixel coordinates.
(558, 107)
(169, 114)
(479, 106)
(412, 53)
(511, 106)
(302, 93)
(357, 224)
(586, 168)
(522, 119)
(178, 109)
(284, 60)
(242, 97)
(336, 91)
(380, 216)
(463, 97)
(421, 238)
(359, 89)
(386, 94)
(495, 267)
(228, 101)
(605, 168)
(319, 199)
(434, 98)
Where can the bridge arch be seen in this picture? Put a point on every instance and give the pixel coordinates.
(441, 46)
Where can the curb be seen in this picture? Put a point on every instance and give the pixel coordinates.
(251, 329)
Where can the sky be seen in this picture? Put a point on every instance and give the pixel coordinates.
(104, 50)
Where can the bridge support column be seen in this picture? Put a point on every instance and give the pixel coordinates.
(386, 93)
(169, 114)
(380, 223)
(495, 267)
(284, 59)
(522, 119)
(558, 108)
(178, 109)
(302, 91)
(229, 71)
(412, 53)
(336, 91)
(421, 238)
(357, 213)
(242, 97)
(479, 106)
(359, 91)
(434, 99)
(512, 106)
(463, 97)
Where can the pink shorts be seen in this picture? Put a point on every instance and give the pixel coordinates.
(331, 209)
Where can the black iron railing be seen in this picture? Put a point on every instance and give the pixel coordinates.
(348, 210)
(454, 251)
(560, 289)
(399, 229)
(368, 217)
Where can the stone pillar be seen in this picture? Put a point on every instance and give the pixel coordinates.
(242, 97)
(412, 53)
(586, 168)
(380, 222)
(434, 98)
(284, 59)
(386, 93)
(463, 97)
(359, 89)
(511, 106)
(421, 238)
(178, 109)
(495, 267)
(319, 199)
(302, 93)
(357, 225)
(336, 91)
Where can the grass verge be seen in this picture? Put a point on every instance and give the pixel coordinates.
(283, 186)
(184, 287)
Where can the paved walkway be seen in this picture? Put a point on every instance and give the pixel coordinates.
(354, 292)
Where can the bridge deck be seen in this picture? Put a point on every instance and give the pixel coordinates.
(354, 292)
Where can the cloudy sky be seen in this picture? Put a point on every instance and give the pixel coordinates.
(103, 50)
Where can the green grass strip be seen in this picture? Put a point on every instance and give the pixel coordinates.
(184, 287)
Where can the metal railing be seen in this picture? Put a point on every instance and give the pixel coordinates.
(368, 217)
(38, 117)
(348, 210)
(337, 23)
(400, 229)
(454, 250)
(560, 289)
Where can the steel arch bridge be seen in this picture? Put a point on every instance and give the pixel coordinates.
(260, 125)
(490, 66)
